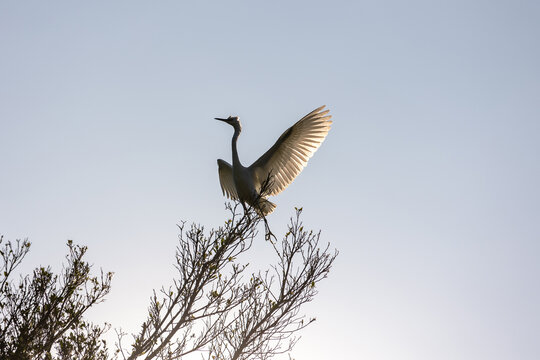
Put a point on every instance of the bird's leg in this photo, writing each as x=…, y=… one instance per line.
x=246, y=211
x=268, y=234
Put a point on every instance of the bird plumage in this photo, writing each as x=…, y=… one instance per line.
x=278, y=167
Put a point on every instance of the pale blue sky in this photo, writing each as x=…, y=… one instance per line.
x=427, y=182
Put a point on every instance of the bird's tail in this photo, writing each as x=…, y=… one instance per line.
x=265, y=207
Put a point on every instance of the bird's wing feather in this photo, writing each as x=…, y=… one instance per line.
x=226, y=179
x=291, y=152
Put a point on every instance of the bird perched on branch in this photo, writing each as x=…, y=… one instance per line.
x=278, y=167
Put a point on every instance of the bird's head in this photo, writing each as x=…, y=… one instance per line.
x=234, y=121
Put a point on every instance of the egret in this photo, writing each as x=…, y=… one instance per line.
x=276, y=168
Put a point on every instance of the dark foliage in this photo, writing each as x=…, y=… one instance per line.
x=41, y=315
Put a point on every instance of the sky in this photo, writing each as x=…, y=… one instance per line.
x=427, y=183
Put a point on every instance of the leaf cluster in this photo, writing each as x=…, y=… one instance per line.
x=42, y=314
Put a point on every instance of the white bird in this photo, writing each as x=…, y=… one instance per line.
x=278, y=167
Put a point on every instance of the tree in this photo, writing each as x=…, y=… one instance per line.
x=214, y=307
x=42, y=314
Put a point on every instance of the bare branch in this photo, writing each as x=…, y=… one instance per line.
x=212, y=309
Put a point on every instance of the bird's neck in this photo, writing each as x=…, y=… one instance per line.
x=235, y=159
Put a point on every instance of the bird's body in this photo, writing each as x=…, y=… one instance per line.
x=276, y=168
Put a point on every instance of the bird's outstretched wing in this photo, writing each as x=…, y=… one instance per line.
x=226, y=179
x=291, y=152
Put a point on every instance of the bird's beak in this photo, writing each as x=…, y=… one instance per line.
x=221, y=119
